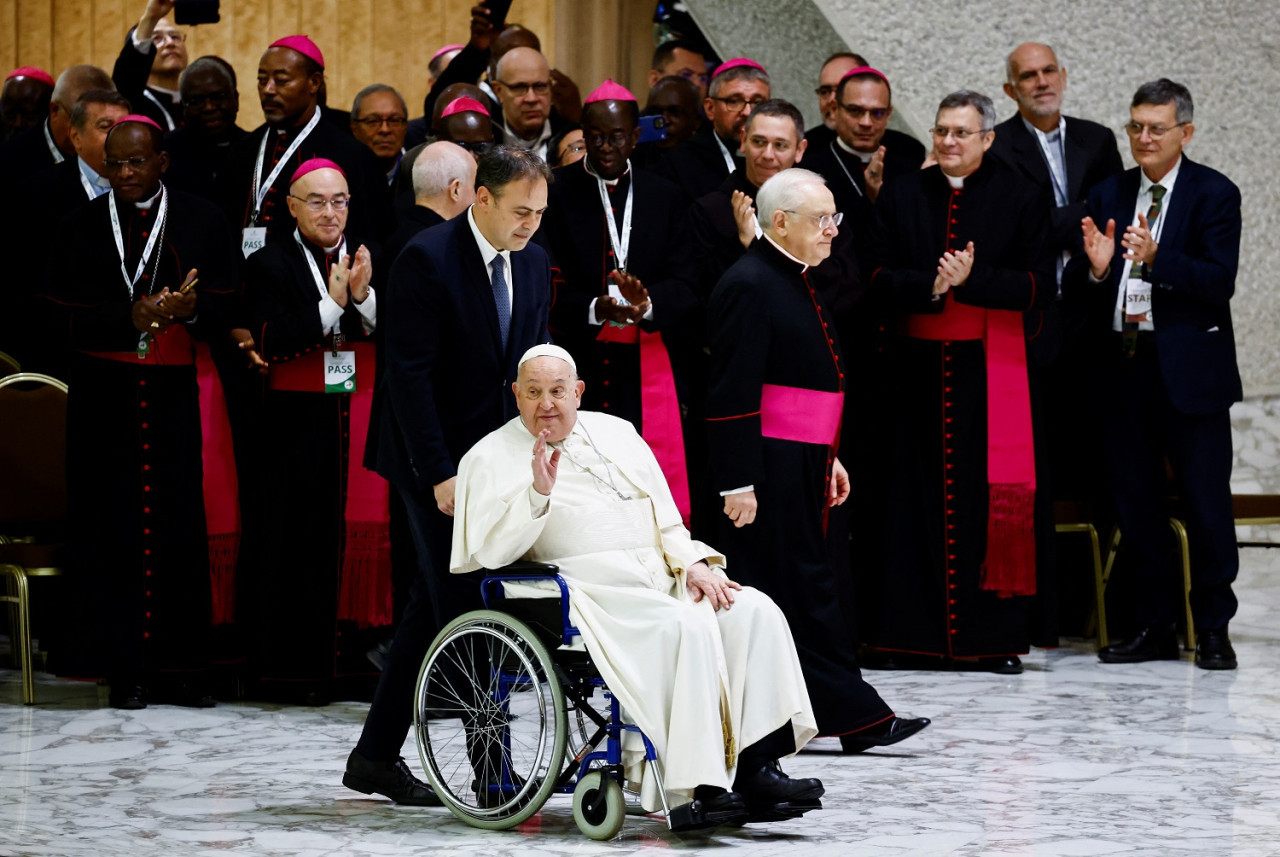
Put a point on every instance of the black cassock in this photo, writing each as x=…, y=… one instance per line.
x=134, y=469
x=928, y=598
x=770, y=326
x=370, y=212
x=294, y=598
x=575, y=234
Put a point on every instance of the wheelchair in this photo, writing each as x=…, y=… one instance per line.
x=506, y=714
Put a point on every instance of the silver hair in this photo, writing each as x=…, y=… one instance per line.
x=1165, y=91
x=1008, y=60
x=370, y=90
x=741, y=72
x=439, y=164
x=968, y=98
x=784, y=191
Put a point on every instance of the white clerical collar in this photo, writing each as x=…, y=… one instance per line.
x=956, y=182
x=865, y=157
x=511, y=138
x=586, y=165
x=1166, y=181
x=145, y=205
x=804, y=266
x=172, y=93
x=487, y=250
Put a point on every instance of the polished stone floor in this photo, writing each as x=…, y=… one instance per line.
x=1070, y=758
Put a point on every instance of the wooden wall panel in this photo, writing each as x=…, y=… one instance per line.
x=388, y=41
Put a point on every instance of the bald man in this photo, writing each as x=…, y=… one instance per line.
x=523, y=86
x=314, y=311
x=444, y=186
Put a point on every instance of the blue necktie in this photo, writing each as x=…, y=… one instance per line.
x=501, y=298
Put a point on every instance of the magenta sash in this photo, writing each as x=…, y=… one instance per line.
x=794, y=413
x=1010, y=565
x=364, y=590
x=659, y=407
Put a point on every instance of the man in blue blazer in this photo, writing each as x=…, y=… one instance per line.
x=1163, y=290
x=464, y=300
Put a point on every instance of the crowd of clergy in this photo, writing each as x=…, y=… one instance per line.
x=867, y=397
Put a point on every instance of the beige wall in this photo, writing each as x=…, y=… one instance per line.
x=363, y=42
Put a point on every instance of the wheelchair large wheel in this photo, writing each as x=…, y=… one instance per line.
x=489, y=718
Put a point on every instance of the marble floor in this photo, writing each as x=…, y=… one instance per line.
x=1070, y=758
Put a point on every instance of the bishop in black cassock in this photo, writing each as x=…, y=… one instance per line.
x=323, y=581
x=636, y=335
x=133, y=421
x=254, y=190
x=962, y=506
x=777, y=385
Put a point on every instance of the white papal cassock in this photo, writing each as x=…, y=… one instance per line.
x=701, y=683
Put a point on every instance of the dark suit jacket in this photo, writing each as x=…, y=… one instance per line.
x=1193, y=279
x=1091, y=157
x=448, y=380
x=697, y=165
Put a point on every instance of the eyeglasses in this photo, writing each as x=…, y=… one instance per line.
x=701, y=77
x=1155, y=132
x=372, y=122
x=825, y=221
x=857, y=111
x=825, y=91
x=131, y=163
x=536, y=395
x=961, y=134
x=617, y=140
x=480, y=148
x=168, y=36
x=737, y=102
x=520, y=90
x=316, y=203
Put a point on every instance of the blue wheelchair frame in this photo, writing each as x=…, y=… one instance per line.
x=492, y=590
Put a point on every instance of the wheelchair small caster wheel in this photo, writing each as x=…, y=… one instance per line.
x=599, y=806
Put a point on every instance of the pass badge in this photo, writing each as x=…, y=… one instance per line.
x=252, y=239
x=1137, y=301
x=340, y=372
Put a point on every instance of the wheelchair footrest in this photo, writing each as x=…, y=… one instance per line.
x=701, y=815
x=783, y=811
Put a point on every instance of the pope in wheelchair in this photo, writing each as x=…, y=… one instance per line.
x=705, y=668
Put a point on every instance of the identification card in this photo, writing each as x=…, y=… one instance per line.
x=1137, y=301
x=340, y=372
x=253, y=239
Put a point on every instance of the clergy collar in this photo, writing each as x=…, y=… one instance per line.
x=865, y=157
x=172, y=93
x=146, y=204
x=511, y=138
x=487, y=250
x=586, y=165
x=327, y=251
x=291, y=131
x=956, y=182
x=804, y=266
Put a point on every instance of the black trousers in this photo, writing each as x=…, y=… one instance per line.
x=437, y=598
x=1143, y=431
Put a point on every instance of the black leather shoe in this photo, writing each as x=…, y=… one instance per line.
x=706, y=811
x=389, y=779
x=1150, y=644
x=1011, y=665
x=771, y=795
x=883, y=734
x=1214, y=652
x=128, y=696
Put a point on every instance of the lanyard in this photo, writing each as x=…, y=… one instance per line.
x=321, y=283
x=724, y=152
x=847, y=174
x=260, y=188
x=89, y=189
x=1057, y=166
x=58, y=157
x=150, y=96
x=157, y=230
x=621, y=243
